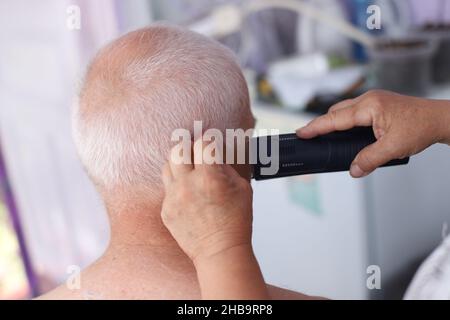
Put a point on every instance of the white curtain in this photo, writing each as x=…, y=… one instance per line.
x=41, y=63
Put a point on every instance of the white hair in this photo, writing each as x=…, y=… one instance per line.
x=140, y=88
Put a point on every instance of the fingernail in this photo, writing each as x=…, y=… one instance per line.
x=356, y=171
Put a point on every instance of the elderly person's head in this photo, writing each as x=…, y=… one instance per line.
x=139, y=89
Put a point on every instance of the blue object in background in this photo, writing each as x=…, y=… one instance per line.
x=359, y=16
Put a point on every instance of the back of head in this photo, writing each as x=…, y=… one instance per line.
x=140, y=88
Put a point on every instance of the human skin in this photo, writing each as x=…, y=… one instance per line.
x=126, y=113
x=144, y=261
x=208, y=210
x=404, y=126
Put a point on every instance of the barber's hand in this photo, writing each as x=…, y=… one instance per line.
x=403, y=126
x=207, y=208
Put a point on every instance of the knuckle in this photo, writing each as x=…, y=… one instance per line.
x=245, y=185
x=374, y=93
x=217, y=185
x=332, y=118
x=338, y=106
x=368, y=95
x=353, y=112
x=374, y=100
x=210, y=174
x=213, y=183
x=377, y=107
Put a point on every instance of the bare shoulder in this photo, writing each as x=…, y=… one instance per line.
x=277, y=293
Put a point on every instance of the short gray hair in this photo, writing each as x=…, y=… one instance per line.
x=140, y=88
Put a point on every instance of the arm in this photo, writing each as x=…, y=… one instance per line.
x=445, y=121
x=403, y=126
x=208, y=210
x=231, y=274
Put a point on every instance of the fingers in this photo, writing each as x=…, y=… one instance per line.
x=180, y=166
x=343, y=104
x=167, y=176
x=207, y=155
x=372, y=157
x=199, y=146
x=337, y=120
x=310, y=131
x=334, y=119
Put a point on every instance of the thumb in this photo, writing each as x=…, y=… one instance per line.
x=372, y=157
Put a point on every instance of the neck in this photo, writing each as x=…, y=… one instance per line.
x=143, y=261
x=140, y=233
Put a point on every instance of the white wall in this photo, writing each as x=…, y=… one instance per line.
x=318, y=253
x=409, y=210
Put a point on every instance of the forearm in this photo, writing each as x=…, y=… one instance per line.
x=231, y=275
x=442, y=115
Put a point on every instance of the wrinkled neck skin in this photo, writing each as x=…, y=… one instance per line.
x=140, y=226
x=135, y=220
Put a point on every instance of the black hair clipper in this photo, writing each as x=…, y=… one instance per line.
x=333, y=152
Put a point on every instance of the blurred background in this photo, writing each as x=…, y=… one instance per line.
x=315, y=234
